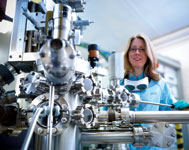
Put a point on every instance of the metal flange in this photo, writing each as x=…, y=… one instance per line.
x=85, y=116
x=60, y=120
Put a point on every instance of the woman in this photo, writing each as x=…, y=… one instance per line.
x=140, y=63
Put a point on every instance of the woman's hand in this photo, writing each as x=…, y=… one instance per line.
x=181, y=105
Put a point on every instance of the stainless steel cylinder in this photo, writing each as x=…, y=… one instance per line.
x=50, y=117
x=160, y=116
x=31, y=129
x=107, y=137
x=62, y=21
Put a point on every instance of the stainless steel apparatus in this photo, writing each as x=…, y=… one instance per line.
x=68, y=108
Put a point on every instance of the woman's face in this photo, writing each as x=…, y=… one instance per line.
x=137, y=54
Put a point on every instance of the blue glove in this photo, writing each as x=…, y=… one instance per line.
x=180, y=105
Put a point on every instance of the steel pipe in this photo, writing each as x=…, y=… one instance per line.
x=50, y=117
x=159, y=116
x=31, y=129
x=107, y=137
x=153, y=103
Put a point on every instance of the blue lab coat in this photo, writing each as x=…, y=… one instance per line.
x=157, y=91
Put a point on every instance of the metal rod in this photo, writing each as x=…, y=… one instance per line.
x=50, y=117
x=153, y=103
x=29, y=43
x=31, y=129
x=107, y=137
x=29, y=17
x=160, y=116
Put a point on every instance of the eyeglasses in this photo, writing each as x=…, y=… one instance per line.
x=138, y=85
x=141, y=50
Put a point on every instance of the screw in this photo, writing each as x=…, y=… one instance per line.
x=40, y=130
x=30, y=120
x=42, y=97
x=72, y=56
x=54, y=130
x=63, y=120
x=56, y=97
x=64, y=107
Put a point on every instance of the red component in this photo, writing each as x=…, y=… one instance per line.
x=157, y=65
x=3, y=4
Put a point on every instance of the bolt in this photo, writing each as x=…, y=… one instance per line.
x=63, y=120
x=54, y=130
x=23, y=112
x=40, y=130
x=72, y=56
x=30, y=120
x=123, y=122
x=56, y=97
x=64, y=107
x=42, y=97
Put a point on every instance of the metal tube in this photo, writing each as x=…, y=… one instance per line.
x=29, y=43
x=147, y=102
x=107, y=137
x=160, y=116
x=50, y=117
x=29, y=17
x=31, y=129
x=62, y=21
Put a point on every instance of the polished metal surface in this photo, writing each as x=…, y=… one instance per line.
x=17, y=37
x=50, y=117
x=62, y=21
x=31, y=129
x=161, y=116
x=107, y=137
x=153, y=103
x=76, y=108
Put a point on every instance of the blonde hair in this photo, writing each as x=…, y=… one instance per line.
x=151, y=64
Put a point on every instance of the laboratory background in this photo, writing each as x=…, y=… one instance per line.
x=61, y=62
